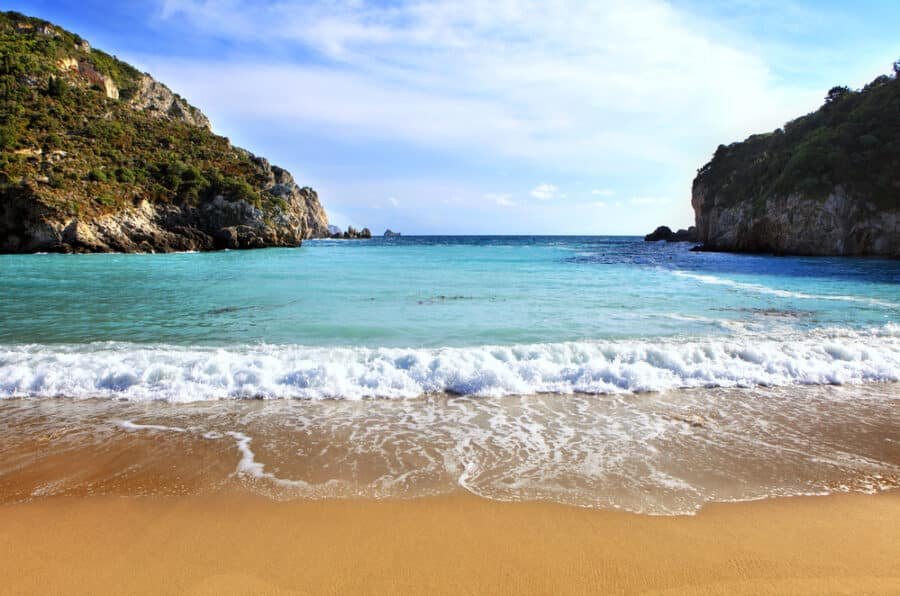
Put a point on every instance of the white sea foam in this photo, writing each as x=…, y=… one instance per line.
x=761, y=289
x=248, y=466
x=656, y=454
x=129, y=425
x=171, y=373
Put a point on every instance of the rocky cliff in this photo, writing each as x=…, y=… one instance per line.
x=826, y=184
x=96, y=156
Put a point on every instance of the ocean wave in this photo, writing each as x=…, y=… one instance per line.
x=761, y=289
x=178, y=374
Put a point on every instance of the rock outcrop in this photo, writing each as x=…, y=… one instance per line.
x=826, y=184
x=156, y=99
x=26, y=225
x=352, y=234
x=841, y=224
x=666, y=233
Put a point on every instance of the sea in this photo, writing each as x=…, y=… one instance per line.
x=602, y=372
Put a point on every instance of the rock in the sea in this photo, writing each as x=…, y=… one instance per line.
x=352, y=234
x=390, y=234
x=665, y=233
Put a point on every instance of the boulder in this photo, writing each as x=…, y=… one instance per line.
x=666, y=233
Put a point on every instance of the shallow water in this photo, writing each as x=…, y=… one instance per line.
x=402, y=317
x=600, y=372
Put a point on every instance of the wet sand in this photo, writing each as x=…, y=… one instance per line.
x=654, y=453
x=233, y=542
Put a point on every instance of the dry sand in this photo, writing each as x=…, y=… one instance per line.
x=236, y=543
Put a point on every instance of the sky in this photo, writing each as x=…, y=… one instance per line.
x=494, y=117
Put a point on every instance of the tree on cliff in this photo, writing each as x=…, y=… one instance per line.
x=836, y=93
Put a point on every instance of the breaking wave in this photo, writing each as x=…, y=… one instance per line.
x=171, y=373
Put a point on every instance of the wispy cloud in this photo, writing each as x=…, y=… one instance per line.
x=623, y=97
x=545, y=192
x=394, y=201
x=575, y=84
x=501, y=199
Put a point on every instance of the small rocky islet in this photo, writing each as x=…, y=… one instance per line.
x=666, y=233
x=350, y=233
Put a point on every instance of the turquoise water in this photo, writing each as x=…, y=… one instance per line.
x=600, y=372
x=399, y=317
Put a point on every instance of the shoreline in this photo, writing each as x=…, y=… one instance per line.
x=232, y=542
x=654, y=453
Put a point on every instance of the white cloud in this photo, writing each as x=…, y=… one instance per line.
x=634, y=94
x=393, y=201
x=545, y=192
x=501, y=199
x=574, y=85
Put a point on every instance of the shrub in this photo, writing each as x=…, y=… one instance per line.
x=125, y=175
x=97, y=175
x=55, y=87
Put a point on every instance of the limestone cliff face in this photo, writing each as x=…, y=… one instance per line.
x=836, y=224
x=156, y=99
x=26, y=225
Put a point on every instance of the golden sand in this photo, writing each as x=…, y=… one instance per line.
x=236, y=543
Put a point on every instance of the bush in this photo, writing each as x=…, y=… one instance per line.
x=125, y=175
x=9, y=134
x=868, y=140
x=97, y=175
x=55, y=87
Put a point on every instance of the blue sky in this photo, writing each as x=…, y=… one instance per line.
x=504, y=116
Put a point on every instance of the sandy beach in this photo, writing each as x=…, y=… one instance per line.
x=237, y=543
x=93, y=502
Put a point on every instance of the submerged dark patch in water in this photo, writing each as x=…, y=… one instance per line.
x=772, y=312
x=440, y=299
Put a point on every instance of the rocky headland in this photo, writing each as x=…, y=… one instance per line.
x=96, y=156
x=827, y=183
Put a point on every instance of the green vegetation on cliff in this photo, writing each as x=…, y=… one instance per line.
x=852, y=141
x=75, y=135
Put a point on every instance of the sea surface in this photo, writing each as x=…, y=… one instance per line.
x=595, y=371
